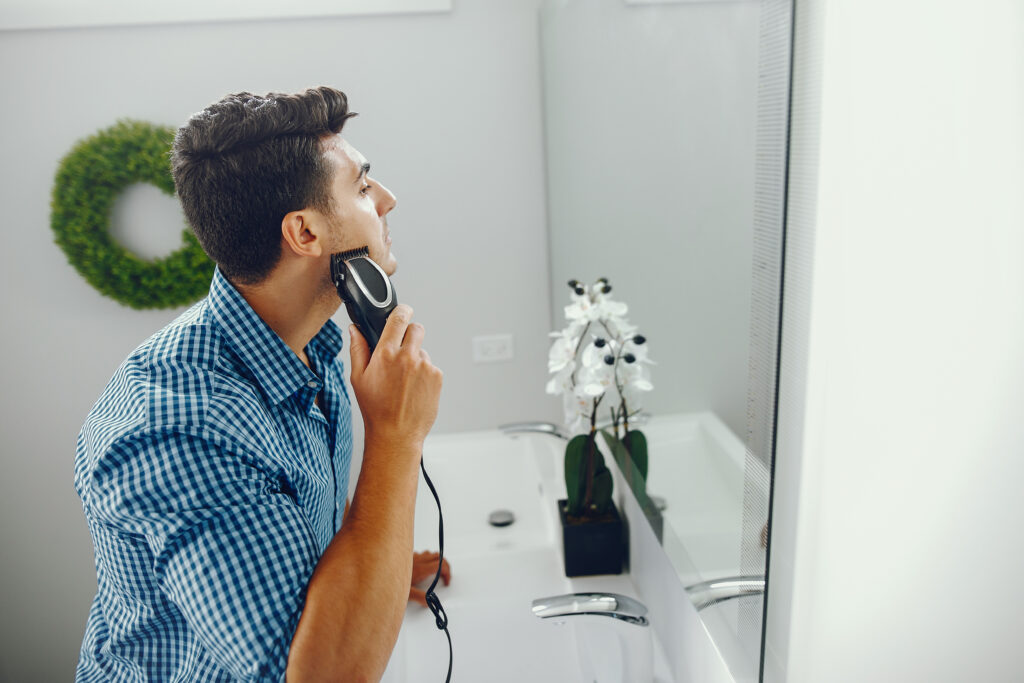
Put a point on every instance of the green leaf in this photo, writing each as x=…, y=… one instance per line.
x=575, y=473
x=636, y=444
x=602, y=491
x=634, y=472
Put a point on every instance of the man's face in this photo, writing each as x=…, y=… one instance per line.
x=361, y=205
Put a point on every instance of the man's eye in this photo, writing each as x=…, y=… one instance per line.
x=364, y=189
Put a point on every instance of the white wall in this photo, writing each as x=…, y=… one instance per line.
x=895, y=546
x=451, y=120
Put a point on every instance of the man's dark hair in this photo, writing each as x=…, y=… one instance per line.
x=243, y=163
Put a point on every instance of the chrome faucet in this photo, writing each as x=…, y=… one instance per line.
x=708, y=593
x=619, y=649
x=557, y=432
x=612, y=605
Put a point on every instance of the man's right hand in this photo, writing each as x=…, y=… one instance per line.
x=397, y=388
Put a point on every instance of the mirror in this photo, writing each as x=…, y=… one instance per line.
x=665, y=128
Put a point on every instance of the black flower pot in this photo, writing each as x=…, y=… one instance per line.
x=592, y=546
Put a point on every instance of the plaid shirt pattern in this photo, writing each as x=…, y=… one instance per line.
x=211, y=483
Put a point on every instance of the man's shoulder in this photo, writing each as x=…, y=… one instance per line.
x=190, y=340
x=183, y=382
x=176, y=377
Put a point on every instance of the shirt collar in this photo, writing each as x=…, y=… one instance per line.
x=278, y=371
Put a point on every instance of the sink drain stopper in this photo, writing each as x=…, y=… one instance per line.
x=501, y=518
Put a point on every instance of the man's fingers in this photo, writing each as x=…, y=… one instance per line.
x=394, y=328
x=414, y=334
x=425, y=564
x=424, y=567
x=416, y=595
x=446, y=572
x=359, y=351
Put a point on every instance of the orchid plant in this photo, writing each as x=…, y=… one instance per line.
x=598, y=358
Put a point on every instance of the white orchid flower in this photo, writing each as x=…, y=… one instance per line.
x=577, y=412
x=595, y=352
x=621, y=327
x=637, y=350
x=582, y=311
x=613, y=309
x=563, y=350
x=595, y=378
x=635, y=381
x=610, y=358
x=561, y=381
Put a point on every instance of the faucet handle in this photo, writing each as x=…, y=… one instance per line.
x=608, y=651
x=612, y=605
x=708, y=593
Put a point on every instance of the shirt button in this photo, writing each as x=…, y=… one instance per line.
x=312, y=384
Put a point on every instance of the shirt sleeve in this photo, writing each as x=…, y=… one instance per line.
x=231, y=547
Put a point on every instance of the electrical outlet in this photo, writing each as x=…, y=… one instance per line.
x=491, y=348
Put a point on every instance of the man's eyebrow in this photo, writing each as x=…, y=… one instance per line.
x=363, y=170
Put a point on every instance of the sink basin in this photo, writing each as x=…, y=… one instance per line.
x=475, y=474
x=496, y=571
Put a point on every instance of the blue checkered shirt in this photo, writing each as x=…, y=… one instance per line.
x=211, y=483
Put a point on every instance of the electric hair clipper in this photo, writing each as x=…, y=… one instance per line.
x=366, y=290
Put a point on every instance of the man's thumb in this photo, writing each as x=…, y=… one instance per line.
x=359, y=351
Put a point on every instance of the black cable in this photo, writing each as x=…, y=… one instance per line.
x=433, y=602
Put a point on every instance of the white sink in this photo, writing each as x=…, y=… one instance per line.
x=496, y=572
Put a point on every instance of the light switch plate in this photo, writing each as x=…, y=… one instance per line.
x=491, y=348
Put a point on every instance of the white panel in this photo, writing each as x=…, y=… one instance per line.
x=25, y=14
x=907, y=468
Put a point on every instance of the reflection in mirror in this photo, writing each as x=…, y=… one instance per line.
x=665, y=140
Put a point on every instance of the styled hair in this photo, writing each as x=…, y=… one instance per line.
x=243, y=163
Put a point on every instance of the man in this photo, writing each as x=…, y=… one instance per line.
x=213, y=470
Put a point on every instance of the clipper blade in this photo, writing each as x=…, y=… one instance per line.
x=337, y=272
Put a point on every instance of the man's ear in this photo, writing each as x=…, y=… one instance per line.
x=301, y=234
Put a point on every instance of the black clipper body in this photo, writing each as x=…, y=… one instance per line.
x=366, y=290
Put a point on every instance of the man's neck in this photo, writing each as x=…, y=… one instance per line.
x=294, y=308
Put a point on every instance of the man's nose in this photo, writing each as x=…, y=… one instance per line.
x=386, y=202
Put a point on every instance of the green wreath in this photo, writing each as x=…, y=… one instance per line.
x=88, y=182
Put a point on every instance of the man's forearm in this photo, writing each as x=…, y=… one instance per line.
x=356, y=597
